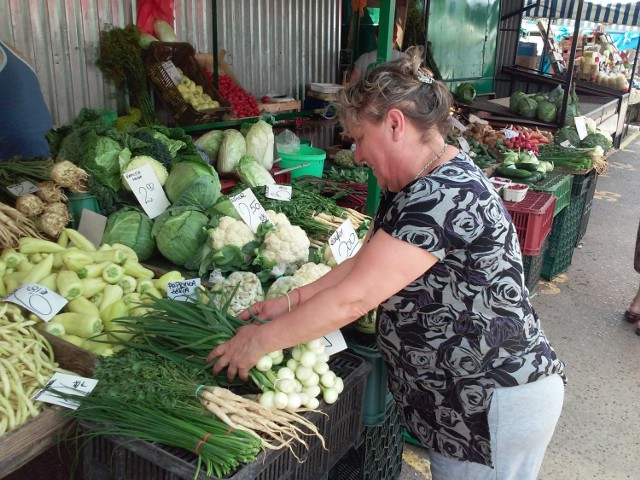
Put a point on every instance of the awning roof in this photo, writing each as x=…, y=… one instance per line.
x=598, y=11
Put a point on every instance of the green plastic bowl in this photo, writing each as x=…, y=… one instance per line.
x=314, y=156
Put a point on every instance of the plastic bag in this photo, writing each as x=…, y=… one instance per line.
x=287, y=142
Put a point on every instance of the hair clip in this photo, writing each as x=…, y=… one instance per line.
x=424, y=76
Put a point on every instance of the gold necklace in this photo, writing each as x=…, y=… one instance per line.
x=432, y=161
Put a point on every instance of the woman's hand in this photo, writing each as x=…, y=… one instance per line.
x=238, y=355
x=268, y=309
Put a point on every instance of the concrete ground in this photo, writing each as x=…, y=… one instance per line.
x=598, y=436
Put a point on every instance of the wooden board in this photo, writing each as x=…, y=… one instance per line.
x=71, y=357
x=280, y=106
x=20, y=446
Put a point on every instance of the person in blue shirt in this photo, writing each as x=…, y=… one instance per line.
x=24, y=116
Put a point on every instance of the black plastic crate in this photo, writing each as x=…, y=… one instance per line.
x=379, y=455
x=532, y=266
x=582, y=182
x=121, y=458
x=562, y=240
x=586, y=211
x=344, y=418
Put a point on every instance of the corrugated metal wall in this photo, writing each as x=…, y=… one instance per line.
x=509, y=32
x=273, y=45
x=60, y=39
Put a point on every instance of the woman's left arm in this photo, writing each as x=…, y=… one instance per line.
x=382, y=269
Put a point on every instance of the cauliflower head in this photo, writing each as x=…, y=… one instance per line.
x=249, y=291
x=278, y=219
x=286, y=245
x=310, y=272
x=283, y=285
x=231, y=232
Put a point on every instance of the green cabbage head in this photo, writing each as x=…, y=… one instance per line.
x=179, y=232
x=130, y=226
x=183, y=175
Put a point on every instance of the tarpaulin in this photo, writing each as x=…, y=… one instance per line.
x=152, y=10
x=597, y=11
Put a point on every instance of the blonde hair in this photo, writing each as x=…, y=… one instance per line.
x=395, y=84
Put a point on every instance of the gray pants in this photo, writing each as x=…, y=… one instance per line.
x=521, y=422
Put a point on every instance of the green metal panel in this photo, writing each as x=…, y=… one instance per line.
x=464, y=36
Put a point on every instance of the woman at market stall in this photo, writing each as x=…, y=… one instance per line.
x=632, y=314
x=24, y=116
x=469, y=366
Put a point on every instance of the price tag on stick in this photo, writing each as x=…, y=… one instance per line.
x=67, y=385
x=457, y=124
x=334, y=342
x=250, y=209
x=37, y=299
x=581, y=127
x=278, y=192
x=344, y=242
x=183, y=290
x=172, y=71
x=146, y=187
x=464, y=144
x=24, y=188
x=508, y=133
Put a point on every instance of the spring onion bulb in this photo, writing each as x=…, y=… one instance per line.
x=308, y=359
x=264, y=364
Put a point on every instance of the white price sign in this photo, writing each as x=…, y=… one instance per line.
x=183, y=290
x=334, y=342
x=567, y=144
x=146, y=187
x=250, y=209
x=344, y=242
x=457, y=124
x=68, y=385
x=581, y=127
x=534, y=159
x=278, y=192
x=508, y=133
x=24, y=188
x=37, y=299
x=464, y=144
x=172, y=71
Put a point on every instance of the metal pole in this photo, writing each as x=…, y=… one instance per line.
x=572, y=58
x=214, y=41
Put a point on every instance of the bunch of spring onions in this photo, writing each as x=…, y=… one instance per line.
x=186, y=332
x=299, y=378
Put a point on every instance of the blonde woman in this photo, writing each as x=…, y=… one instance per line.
x=469, y=365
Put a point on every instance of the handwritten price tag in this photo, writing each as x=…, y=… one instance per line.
x=68, y=385
x=146, y=187
x=464, y=144
x=344, y=242
x=508, y=133
x=457, y=124
x=24, y=188
x=172, y=71
x=250, y=209
x=581, y=127
x=37, y=299
x=278, y=192
x=183, y=290
x=334, y=342
x=567, y=144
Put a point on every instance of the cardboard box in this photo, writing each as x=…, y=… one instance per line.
x=527, y=62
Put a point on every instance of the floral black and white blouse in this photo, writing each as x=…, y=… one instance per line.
x=467, y=325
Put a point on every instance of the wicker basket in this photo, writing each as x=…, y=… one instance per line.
x=183, y=56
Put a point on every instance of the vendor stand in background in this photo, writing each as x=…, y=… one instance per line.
x=596, y=101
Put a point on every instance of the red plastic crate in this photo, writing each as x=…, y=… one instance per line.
x=227, y=183
x=532, y=218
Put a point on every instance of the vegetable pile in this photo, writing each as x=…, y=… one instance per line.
x=243, y=104
x=26, y=364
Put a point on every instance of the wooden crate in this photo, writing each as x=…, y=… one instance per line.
x=20, y=446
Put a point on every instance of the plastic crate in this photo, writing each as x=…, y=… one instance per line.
x=227, y=184
x=379, y=456
x=558, y=185
x=533, y=218
x=118, y=457
x=562, y=240
x=377, y=393
x=582, y=182
x=344, y=418
x=586, y=211
x=183, y=56
x=532, y=267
